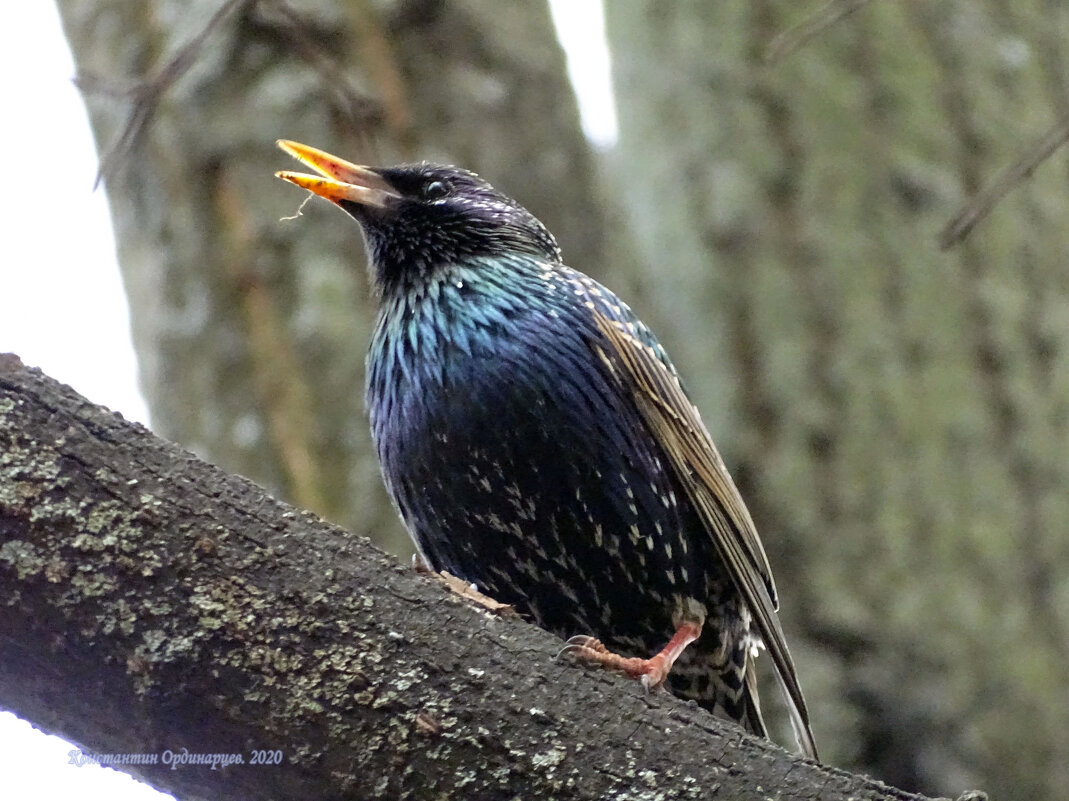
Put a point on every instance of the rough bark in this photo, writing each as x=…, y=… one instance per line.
x=897, y=414
x=152, y=602
x=250, y=331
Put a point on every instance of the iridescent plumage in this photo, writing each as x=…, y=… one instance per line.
x=538, y=443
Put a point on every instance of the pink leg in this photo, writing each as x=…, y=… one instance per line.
x=652, y=672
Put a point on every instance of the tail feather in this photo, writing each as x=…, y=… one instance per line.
x=728, y=689
x=725, y=687
x=754, y=722
x=799, y=716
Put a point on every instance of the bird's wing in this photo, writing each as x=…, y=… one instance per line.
x=675, y=423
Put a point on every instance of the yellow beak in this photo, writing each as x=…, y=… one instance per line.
x=341, y=180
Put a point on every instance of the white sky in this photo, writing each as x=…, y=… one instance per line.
x=63, y=310
x=62, y=307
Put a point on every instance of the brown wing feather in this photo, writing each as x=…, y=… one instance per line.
x=675, y=423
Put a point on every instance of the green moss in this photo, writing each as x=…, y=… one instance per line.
x=23, y=556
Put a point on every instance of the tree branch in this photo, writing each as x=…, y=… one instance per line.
x=979, y=206
x=152, y=603
x=795, y=37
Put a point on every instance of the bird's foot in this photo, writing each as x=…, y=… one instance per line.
x=651, y=672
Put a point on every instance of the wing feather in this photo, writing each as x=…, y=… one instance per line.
x=675, y=423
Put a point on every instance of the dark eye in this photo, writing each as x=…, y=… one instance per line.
x=436, y=190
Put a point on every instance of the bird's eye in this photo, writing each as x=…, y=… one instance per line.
x=436, y=190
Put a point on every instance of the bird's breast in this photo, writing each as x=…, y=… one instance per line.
x=455, y=346
x=519, y=463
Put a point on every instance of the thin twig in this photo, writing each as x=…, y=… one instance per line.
x=793, y=38
x=979, y=206
x=356, y=105
x=146, y=94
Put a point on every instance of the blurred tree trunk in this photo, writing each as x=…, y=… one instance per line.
x=251, y=331
x=898, y=415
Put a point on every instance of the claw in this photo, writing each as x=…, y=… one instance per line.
x=584, y=641
x=578, y=646
x=565, y=651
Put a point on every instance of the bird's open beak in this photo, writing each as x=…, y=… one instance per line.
x=341, y=181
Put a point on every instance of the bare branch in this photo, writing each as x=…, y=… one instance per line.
x=793, y=38
x=147, y=93
x=979, y=206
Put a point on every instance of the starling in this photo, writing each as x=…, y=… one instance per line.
x=537, y=442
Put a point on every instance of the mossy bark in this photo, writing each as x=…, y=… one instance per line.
x=152, y=603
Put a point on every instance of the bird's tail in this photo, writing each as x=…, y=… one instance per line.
x=725, y=685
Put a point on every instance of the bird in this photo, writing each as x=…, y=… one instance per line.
x=538, y=442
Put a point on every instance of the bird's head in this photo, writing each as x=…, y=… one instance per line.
x=419, y=219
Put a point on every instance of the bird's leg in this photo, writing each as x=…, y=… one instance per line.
x=652, y=672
